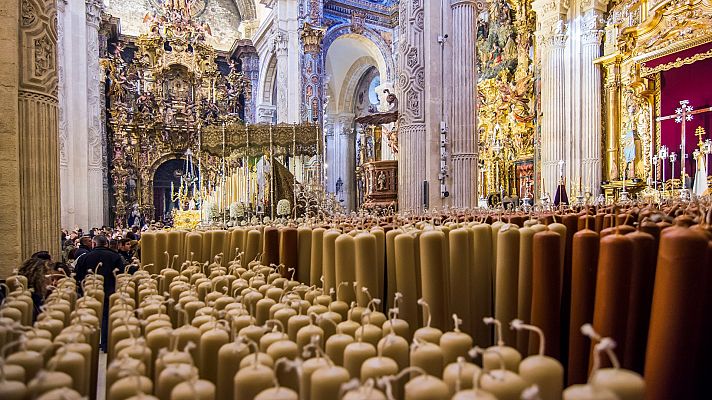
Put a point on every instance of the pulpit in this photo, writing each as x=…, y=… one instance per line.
x=380, y=184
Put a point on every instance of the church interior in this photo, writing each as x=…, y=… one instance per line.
x=355, y=199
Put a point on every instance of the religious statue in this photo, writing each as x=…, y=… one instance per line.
x=635, y=132
x=381, y=181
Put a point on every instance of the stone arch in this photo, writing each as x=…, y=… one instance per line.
x=380, y=48
x=246, y=8
x=353, y=77
x=268, y=81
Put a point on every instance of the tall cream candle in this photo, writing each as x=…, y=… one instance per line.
x=329, y=259
x=432, y=243
x=345, y=258
x=507, y=279
x=481, y=281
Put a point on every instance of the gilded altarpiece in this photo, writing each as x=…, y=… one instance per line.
x=643, y=40
x=163, y=88
x=506, y=107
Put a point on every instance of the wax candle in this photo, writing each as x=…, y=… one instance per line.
x=677, y=308
x=432, y=243
x=252, y=246
x=277, y=393
x=545, y=372
x=365, y=264
x=46, y=381
x=329, y=260
x=210, y=344
x=394, y=324
x=197, y=389
x=584, y=266
x=148, y=248
x=507, y=277
x=218, y=245
x=455, y=344
x=613, y=287
x=316, y=256
x=459, y=247
x=207, y=249
x=426, y=387
x=251, y=380
x=380, y=254
x=74, y=365
x=326, y=382
x=304, y=244
x=428, y=357
x=13, y=390
x=524, y=290
x=355, y=354
x=391, y=284
x=172, y=376
x=427, y=333
x=288, y=247
x=546, y=299
x=494, y=355
x=129, y=386
x=459, y=375
x=270, y=246
x=335, y=346
x=31, y=361
x=640, y=300
x=345, y=256
x=406, y=276
x=481, y=282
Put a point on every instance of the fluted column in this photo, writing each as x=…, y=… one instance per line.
x=95, y=181
x=281, y=42
x=591, y=97
x=551, y=36
x=463, y=118
x=64, y=145
x=251, y=69
x=37, y=129
x=411, y=107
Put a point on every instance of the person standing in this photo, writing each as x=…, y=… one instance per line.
x=104, y=261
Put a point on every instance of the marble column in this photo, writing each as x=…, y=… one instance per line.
x=280, y=48
x=64, y=172
x=37, y=132
x=95, y=181
x=463, y=117
x=552, y=35
x=591, y=100
x=410, y=89
x=346, y=159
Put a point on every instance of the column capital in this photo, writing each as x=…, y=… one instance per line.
x=597, y=5
x=93, y=12
x=311, y=38
x=280, y=43
x=550, y=9
x=480, y=4
x=555, y=36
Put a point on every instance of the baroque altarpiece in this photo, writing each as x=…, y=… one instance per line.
x=171, y=96
x=506, y=106
x=656, y=56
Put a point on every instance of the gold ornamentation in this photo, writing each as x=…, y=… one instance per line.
x=311, y=38
x=679, y=62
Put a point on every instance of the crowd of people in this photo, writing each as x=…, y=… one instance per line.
x=104, y=251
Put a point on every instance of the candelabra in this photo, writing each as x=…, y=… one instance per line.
x=673, y=158
x=656, y=159
x=663, y=154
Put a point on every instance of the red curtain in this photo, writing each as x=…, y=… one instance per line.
x=691, y=82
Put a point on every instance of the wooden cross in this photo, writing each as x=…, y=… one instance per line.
x=683, y=114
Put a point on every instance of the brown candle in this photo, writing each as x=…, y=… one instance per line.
x=584, y=266
x=524, y=289
x=672, y=367
x=613, y=288
x=546, y=300
x=640, y=300
x=252, y=246
x=428, y=357
x=251, y=380
x=326, y=382
x=270, y=246
x=304, y=244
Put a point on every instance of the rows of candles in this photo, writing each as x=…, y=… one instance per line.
x=300, y=312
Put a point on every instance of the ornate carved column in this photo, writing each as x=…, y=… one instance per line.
x=591, y=97
x=410, y=87
x=95, y=181
x=251, y=69
x=281, y=42
x=463, y=118
x=37, y=129
x=346, y=159
x=312, y=73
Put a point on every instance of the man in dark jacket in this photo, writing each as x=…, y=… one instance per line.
x=110, y=261
x=83, y=249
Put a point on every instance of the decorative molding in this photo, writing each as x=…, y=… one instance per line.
x=679, y=62
x=93, y=12
x=311, y=38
